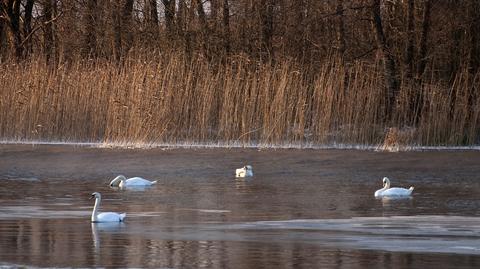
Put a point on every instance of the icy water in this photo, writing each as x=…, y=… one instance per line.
x=302, y=209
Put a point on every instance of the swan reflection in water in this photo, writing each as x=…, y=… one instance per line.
x=396, y=201
x=106, y=228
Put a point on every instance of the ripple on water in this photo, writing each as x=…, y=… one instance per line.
x=27, y=179
x=440, y=234
x=28, y=212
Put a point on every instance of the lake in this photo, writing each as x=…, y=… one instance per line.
x=302, y=209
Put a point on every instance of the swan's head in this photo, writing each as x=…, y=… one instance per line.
x=386, y=182
x=117, y=180
x=248, y=167
x=96, y=195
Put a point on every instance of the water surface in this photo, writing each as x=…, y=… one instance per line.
x=302, y=209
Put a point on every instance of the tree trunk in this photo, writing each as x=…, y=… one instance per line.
x=474, y=32
x=410, y=39
x=422, y=54
x=266, y=18
x=11, y=11
x=204, y=29
x=27, y=26
x=153, y=14
x=117, y=30
x=341, y=40
x=202, y=16
x=91, y=19
x=127, y=25
x=226, y=27
x=214, y=7
x=390, y=68
x=181, y=18
x=169, y=9
x=49, y=45
x=182, y=27
x=2, y=39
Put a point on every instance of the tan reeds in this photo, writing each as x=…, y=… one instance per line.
x=172, y=99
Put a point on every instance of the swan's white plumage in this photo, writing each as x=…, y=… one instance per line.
x=105, y=216
x=246, y=171
x=386, y=191
x=123, y=182
x=110, y=217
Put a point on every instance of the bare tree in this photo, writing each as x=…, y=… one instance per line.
x=266, y=18
x=3, y=48
x=27, y=25
x=226, y=26
x=201, y=15
x=153, y=14
x=341, y=38
x=91, y=18
x=127, y=25
x=214, y=8
x=410, y=38
x=204, y=29
x=390, y=68
x=474, y=38
x=49, y=34
x=422, y=54
x=10, y=12
x=169, y=9
x=117, y=29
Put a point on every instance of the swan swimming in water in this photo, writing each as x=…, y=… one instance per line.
x=246, y=171
x=105, y=216
x=122, y=182
x=386, y=191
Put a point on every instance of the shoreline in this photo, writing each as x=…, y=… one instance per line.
x=222, y=145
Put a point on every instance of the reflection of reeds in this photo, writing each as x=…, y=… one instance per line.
x=175, y=100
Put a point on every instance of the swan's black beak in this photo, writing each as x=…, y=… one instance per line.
x=92, y=196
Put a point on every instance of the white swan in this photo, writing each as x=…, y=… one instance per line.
x=386, y=191
x=105, y=216
x=122, y=182
x=246, y=171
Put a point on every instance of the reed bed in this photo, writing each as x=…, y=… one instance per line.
x=173, y=99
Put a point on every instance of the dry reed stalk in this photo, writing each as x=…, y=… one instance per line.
x=171, y=99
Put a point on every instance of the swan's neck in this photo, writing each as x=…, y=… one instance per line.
x=115, y=181
x=123, y=181
x=95, y=209
x=387, y=186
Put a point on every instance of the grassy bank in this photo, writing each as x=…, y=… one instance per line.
x=170, y=99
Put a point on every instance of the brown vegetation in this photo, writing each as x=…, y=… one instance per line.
x=173, y=99
x=246, y=72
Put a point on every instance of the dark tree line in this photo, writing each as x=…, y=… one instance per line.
x=413, y=38
x=410, y=35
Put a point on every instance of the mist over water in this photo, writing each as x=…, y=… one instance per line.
x=303, y=208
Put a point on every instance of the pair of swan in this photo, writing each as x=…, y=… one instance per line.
x=122, y=182
x=386, y=191
x=246, y=171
